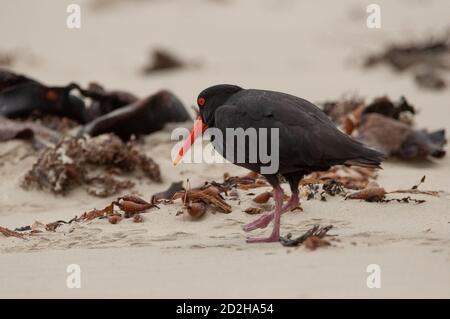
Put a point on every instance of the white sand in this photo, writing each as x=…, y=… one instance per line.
x=307, y=49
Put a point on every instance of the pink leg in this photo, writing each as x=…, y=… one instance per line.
x=265, y=220
x=275, y=235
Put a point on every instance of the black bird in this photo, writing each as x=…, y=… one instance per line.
x=307, y=140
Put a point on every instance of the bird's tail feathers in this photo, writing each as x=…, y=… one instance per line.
x=370, y=158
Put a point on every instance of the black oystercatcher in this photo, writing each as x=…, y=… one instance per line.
x=307, y=140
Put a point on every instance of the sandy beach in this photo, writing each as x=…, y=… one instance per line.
x=309, y=49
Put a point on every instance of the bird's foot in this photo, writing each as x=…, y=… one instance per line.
x=293, y=204
x=261, y=222
x=264, y=221
x=274, y=237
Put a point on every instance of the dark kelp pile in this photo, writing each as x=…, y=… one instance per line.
x=20, y=96
x=95, y=163
x=387, y=126
x=141, y=117
x=99, y=110
x=428, y=61
x=48, y=115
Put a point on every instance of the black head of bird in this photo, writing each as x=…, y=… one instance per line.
x=207, y=101
x=211, y=98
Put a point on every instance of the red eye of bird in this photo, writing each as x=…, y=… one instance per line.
x=201, y=101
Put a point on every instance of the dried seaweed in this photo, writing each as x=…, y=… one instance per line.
x=7, y=59
x=57, y=168
x=54, y=225
x=258, y=183
x=430, y=56
x=56, y=123
x=388, y=127
x=333, y=187
x=314, y=242
x=262, y=198
x=430, y=79
x=11, y=233
x=247, y=181
x=106, y=185
x=384, y=106
x=196, y=209
x=129, y=204
x=349, y=118
x=316, y=231
x=22, y=228
x=73, y=162
x=395, y=138
x=422, y=180
x=132, y=205
x=370, y=194
x=39, y=135
x=346, y=177
x=95, y=213
x=234, y=194
x=167, y=195
x=310, y=189
x=405, y=200
x=253, y=210
x=209, y=195
x=339, y=109
x=415, y=190
x=114, y=219
x=377, y=194
x=162, y=60
x=137, y=218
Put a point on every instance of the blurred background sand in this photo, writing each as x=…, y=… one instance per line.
x=310, y=49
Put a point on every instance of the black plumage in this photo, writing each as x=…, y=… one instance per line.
x=308, y=139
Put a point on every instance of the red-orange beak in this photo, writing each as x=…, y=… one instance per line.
x=199, y=128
